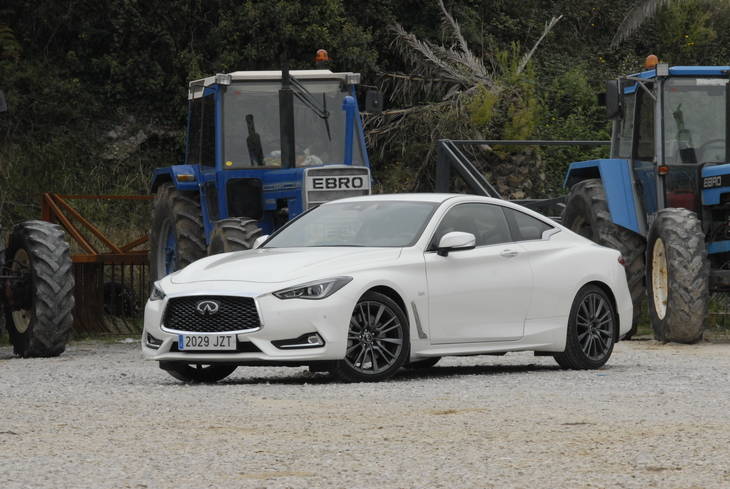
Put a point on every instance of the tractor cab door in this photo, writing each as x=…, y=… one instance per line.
x=202, y=149
x=643, y=147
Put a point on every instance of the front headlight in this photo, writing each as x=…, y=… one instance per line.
x=157, y=294
x=314, y=290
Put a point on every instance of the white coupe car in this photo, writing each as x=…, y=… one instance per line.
x=361, y=287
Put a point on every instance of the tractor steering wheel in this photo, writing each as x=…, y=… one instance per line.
x=706, y=148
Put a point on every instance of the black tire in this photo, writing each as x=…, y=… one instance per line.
x=687, y=275
x=423, y=363
x=180, y=213
x=197, y=373
x=592, y=330
x=586, y=213
x=347, y=369
x=233, y=234
x=39, y=310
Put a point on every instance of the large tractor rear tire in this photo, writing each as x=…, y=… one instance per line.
x=177, y=237
x=233, y=234
x=586, y=212
x=40, y=302
x=677, y=276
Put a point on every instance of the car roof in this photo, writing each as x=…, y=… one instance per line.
x=419, y=197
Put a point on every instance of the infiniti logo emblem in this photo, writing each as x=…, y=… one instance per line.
x=207, y=308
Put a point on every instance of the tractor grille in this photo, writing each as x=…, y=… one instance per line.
x=324, y=184
x=234, y=314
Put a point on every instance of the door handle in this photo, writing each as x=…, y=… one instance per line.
x=509, y=253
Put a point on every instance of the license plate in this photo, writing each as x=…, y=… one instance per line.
x=191, y=342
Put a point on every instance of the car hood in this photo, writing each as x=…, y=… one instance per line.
x=274, y=265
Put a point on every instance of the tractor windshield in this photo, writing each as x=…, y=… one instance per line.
x=251, y=130
x=694, y=120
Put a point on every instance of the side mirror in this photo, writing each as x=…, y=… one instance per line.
x=374, y=101
x=455, y=240
x=259, y=241
x=3, y=104
x=612, y=99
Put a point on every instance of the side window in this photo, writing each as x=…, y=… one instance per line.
x=524, y=227
x=626, y=128
x=485, y=221
x=645, y=133
x=207, y=138
x=194, y=121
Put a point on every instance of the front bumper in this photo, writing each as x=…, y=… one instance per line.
x=280, y=320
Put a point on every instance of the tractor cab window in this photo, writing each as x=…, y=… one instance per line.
x=694, y=113
x=251, y=127
x=625, y=128
x=645, y=128
x=201, y=131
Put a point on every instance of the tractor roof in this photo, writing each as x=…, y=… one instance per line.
x=225, y=78
x=688, y=71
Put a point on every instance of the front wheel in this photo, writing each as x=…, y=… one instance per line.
x=677, y=276
x=197, y=373
x=377, y=340
x=233, y=234
x=591, y=331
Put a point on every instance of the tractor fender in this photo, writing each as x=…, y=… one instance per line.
x=183, y=176
x=615, y=174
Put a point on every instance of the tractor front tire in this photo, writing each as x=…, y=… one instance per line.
x=233, y=234
x=586, y=212
x=39, y=309
x=177, y=237
x=677, y=276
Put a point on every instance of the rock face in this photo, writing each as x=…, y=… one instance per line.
x=518, y=174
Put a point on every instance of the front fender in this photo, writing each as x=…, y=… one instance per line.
x=184, y=177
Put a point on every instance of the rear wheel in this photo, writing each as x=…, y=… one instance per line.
x=233, y=234
x=40, y=298
x=377, y=340
x=586, y=212
x=677, y=276
x=177, y=237
x=591, y=331
x=197, y=373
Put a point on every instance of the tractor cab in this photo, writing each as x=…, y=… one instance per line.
x=262, y=147
x=670, y=159
x=663, y=196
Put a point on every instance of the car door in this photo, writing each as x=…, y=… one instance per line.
x=481, y=294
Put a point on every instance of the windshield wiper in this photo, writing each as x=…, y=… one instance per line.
x=306, y=97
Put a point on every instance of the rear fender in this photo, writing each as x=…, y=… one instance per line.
x=618, y=184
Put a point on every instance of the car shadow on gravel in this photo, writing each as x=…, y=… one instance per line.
x=404, y=375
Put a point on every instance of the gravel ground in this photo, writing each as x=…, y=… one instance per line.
x=101, y=417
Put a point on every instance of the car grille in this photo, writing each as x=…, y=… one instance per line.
x=234, y=314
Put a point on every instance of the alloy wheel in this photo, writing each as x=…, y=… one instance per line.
x=594, y=325
x=375, y=338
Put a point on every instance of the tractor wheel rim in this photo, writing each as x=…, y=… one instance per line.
x=21, y=317
x=594, y=326
x=375, y=338
x=659, y=279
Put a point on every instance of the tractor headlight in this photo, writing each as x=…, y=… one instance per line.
x=157, y=294
x=314, y=290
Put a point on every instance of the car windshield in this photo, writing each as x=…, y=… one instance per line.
x=364, y=223
x=694, y=120
x=252, y=129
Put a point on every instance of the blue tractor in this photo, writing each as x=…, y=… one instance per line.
x=663, y=196
x=262, y=147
